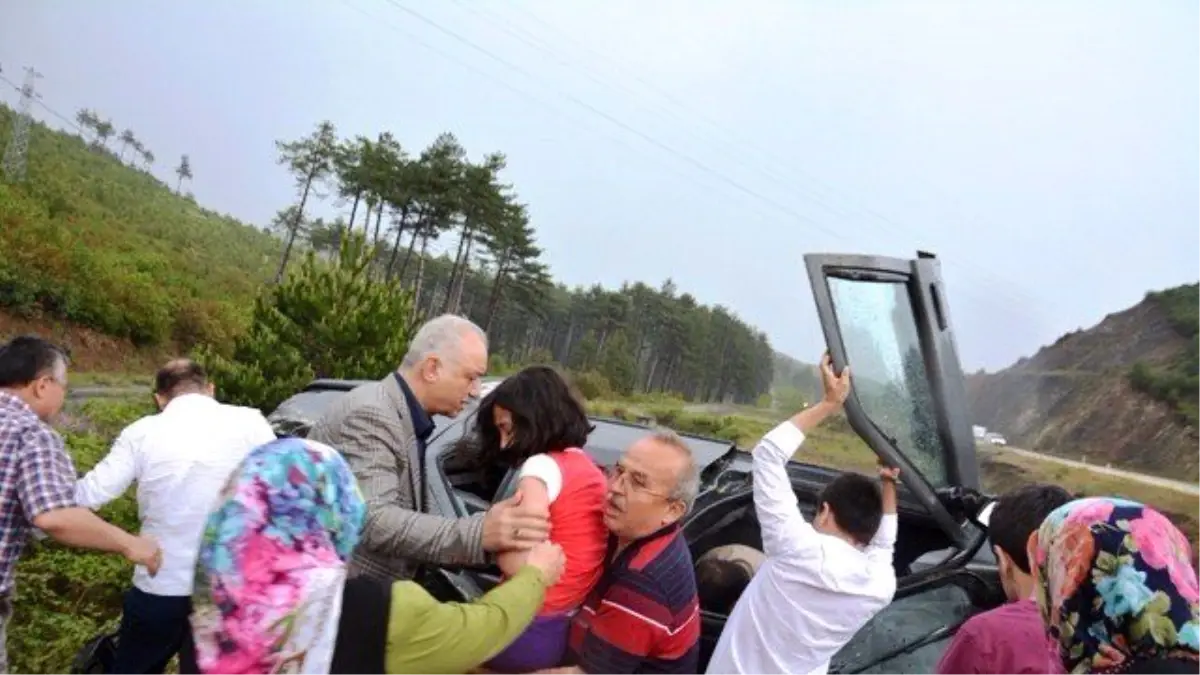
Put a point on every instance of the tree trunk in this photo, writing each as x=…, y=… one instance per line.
x=179, y=185
x=420, y=274
x=354, y=210
x=396, y=246
x=462, y=239
x=412, y=243
x=494, y=297
x=367, y=220
x=378, y=222
x=287, y=250
x=456, y=305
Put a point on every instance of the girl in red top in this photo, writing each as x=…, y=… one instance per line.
x=531, y=420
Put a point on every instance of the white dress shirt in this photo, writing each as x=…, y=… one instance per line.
x=814, y=592
x=181, y=458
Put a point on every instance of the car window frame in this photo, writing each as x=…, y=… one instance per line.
x=922, y=278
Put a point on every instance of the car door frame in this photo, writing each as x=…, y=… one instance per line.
x=927, y=299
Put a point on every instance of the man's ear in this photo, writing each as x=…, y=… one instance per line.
x=1003, y=561
x=430, y=367
x=675, y=511
x=1031, y=546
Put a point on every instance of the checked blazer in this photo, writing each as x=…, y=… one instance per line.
x=371, y=427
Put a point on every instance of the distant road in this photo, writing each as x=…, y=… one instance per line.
x=1177, y=485
x=83, y=393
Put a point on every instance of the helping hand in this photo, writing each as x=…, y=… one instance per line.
x=550, y=561
x=510, y=526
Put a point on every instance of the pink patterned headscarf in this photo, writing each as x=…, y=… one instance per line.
x=272, y=562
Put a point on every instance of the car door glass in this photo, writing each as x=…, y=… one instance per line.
x=879, y=334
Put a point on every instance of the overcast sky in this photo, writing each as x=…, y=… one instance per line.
x=1049, y=153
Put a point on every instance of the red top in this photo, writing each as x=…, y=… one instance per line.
x=1008, y=639
x=577, y=525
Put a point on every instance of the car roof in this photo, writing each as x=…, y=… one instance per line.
x=608, y=440
x=611, y=437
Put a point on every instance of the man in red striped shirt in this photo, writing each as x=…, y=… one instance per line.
x=644, y=616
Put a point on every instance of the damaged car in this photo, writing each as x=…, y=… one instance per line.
x=889, y=317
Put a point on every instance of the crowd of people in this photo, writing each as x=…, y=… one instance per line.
x=259, y=554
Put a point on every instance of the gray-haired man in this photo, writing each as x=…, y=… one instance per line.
x=381, y=428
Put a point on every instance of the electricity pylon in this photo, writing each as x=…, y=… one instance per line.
x=13, y=164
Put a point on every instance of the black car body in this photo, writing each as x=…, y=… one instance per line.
x=889, y=318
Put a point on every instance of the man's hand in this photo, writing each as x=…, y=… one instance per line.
x=549, y=559
x=836, y=387
x=510, y=526
x=144, y=551
x=889, y=474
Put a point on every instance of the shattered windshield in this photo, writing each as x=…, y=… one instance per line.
x=879, y=333
x=898, y=630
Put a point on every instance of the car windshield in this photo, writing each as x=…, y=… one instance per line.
x=879, y=333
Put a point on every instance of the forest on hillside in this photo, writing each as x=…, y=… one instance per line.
x=94, y=237
x=1179, y=383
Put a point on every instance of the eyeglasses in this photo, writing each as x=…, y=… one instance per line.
x=637, y=481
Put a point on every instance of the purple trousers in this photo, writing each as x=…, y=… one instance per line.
x=542, y=645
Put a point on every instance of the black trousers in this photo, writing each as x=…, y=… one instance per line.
x=153, y=629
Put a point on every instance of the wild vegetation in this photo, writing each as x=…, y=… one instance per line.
x=109, y=246
x=1177, y=384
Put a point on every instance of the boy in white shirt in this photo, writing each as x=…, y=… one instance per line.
x=822, y=581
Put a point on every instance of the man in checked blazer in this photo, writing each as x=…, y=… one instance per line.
x=381, y=429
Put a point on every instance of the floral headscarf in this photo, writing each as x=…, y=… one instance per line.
x=1116, y=585
x=273, y=561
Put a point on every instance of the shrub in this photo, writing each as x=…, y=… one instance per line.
x=592, y=385
x=322, y=321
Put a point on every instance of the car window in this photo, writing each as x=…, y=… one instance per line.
x=892, y=641
x=879, y=332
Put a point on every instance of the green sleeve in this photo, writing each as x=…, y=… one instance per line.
x=427, y=636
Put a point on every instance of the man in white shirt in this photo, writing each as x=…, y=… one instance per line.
x=180, y=459
x=823, y=581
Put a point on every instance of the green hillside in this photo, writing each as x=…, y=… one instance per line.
x=92, y=238
x=108, y=246
x=1176, y=384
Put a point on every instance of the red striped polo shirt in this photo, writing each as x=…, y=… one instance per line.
x=644, y=615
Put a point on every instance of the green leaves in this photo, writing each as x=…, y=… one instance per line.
x=322, y=321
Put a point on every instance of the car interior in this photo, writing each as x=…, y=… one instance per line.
x=899, y=638
x=908, y=635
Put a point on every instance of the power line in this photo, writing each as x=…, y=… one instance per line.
x=687, y=159
x=724, y=132
x=13, y=163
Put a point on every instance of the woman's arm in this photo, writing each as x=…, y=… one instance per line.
x=534, y=493
x=425, y=636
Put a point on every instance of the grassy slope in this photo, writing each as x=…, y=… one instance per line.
x=1178, y=383
x=91, y=240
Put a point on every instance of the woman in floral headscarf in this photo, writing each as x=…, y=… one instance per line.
x=272, y=594
x=272, y=562
x=1117, y=589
